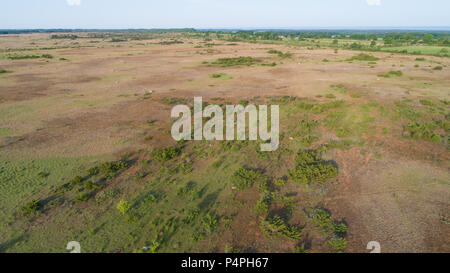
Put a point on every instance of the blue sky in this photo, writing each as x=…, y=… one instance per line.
x=222, y=13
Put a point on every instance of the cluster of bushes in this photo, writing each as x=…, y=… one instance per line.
x=172, y=42
x=263, y=204
x=191, y=214
x=427, y=103
x=306, y=127
x=245, y=178
x=238, y=61
x=64, y=36
x=392, y=73
x=173, y=101
x=109, y=170
x=424, y=131
x=232, y=145
x=190, y=190
x=22, y=57
x=363, y=57
x=220, y=76
x=31, y=208
x=275, y=226
x=166, y=154
x=2, y=71
x=338, y=230
x=310, y=168
x=280, y=53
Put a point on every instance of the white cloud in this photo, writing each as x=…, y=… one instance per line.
x=73, y=2
x=373, y=2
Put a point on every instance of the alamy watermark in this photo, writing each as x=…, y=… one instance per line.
x=258, y=118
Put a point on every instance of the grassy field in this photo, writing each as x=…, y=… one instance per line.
x=86, y=152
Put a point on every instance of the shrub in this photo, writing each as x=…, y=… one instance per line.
x=43, y=174
x=322, y=218
x=93, y=171
x=330, y=96
x=438, y=68
x=123, y=206
x=275, y=226
x=363, y=57
x=340, y=229
x=191, y=214
x=422, y=131
x=107, y=194
x=338, y=244
x=220, y=76
x=245, y=178
x=310, y=168
x=210, y=222
x=427, y=103
x=391, y=74
x=111, y=169
x=82, y=197
x=280, y=182
x=31, y=208
x=2, y=71
x=166, y=153
x=263, y=204
x=238, y=61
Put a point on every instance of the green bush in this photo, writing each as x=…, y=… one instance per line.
x=263, y=204
x=166, y=154
x=340, y=229
x=31, y=208
x=82, y=197
x=310, y=168
x=123, y=206
x=245, y=178
x=338, y=244
x=424, y=131
x=238, y=61
x=427, y=103
x=391, y=74
x=43, y=174
x=275, y=226
x=438, y=68
x=2, y=71
x=363, y=57
x=111, y=169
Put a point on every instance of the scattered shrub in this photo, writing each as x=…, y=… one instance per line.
x=123, y=206
x=245, y=178
x=363, y=57
x=338, y=244
x=427, y=103
x=82, y=197
x=166, y=153
x=391, y=74
x=238, y=61
x=43, y=174
x=31, y=208
x=310, y=168
x=275, y=226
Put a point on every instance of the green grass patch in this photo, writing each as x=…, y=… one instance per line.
x=363, y=57
x=392, y=73
x=238, y=61
x=221, y=76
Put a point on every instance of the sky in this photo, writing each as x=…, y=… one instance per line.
x=123, y=14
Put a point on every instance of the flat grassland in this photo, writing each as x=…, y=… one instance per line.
x=86, y=153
